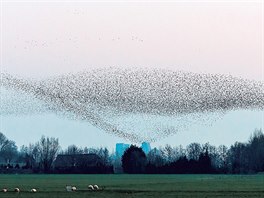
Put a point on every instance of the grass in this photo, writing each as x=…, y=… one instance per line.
x=53, y=186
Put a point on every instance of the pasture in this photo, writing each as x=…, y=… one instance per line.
x=123, y=185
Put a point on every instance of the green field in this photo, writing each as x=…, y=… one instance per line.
x=123, y=185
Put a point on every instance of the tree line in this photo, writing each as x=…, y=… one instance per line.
x=239, y=158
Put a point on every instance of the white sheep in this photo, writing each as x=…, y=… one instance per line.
x=33, y=190
x=68, y=188
x=4, y=190
x=74, y=188
x=90, y=187
x=96, y=187
x=16, y=190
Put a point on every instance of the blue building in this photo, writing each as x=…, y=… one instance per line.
x=120, y=149
x=146, y=147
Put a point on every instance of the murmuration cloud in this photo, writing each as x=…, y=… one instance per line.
x=118, y=100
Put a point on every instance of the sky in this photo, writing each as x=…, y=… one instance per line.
x=43, y=39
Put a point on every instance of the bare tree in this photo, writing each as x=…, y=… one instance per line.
x=73, y=150
x=103, y=153
x=30, y=155
x=223, y=157
x=48, y=149
x=212, y=152
x=237, y=157
x=193, y=151
x=167, y=153
x=3, y=141
x=256, y=151
x=8, y=148
x=154, y=157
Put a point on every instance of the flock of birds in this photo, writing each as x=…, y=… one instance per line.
x=124, y=102
x=68, y=189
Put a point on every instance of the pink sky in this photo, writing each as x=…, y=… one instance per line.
x=53, y=38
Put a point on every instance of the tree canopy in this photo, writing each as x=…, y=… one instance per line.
x=134, y=160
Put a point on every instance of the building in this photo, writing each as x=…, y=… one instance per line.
x=81, y=163
x=77, y=160
x=146, y=147
x=120, y=149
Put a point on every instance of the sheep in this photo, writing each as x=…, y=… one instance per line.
x=90, y=187
x=4, y=190
x=74, y=188
x=16, y=190
x=33, y=190
x=96, y=187
x=68, y=188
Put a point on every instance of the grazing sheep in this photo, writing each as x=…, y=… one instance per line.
x=90, y=187
x=96, y=187
x=16, y=190
x=74, y=188
x=33, y=190
x=4, y=190
x=68, y=188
